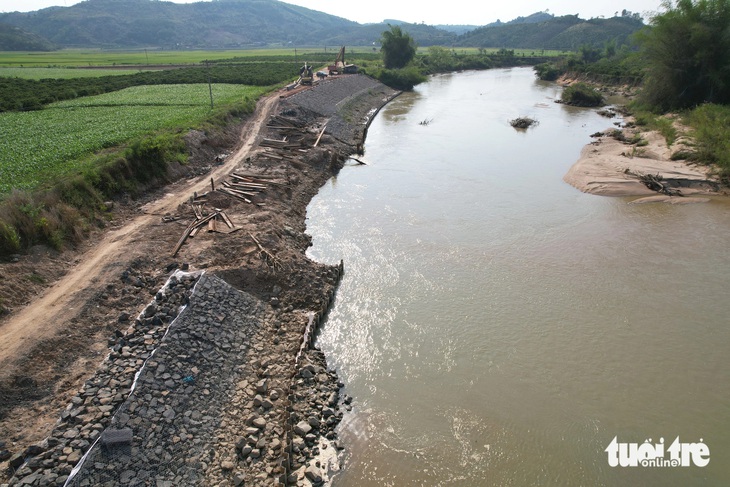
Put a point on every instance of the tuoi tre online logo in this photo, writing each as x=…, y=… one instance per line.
x=650, y=454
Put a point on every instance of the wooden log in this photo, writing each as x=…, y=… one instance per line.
x=189, y=230
x=230, y=193
x=248, y=187
x=320, y=136
x=182, y=240
x=230, y=187
x=227, y=220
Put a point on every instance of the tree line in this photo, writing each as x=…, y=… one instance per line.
x=19, y=94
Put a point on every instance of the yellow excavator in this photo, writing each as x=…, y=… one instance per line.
x=306, y=77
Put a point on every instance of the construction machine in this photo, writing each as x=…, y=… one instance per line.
x=340, y=67
x=306, y=77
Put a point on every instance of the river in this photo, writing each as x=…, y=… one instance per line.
x=495, y=326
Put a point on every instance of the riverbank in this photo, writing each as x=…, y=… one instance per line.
x=611, y=166
x=276, y=405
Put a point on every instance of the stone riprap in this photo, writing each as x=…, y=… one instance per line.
x=219, y=396
x=173, y=414
x=340, y=100
x=91, y=410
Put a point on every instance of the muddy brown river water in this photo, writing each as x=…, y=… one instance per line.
x=497, y=327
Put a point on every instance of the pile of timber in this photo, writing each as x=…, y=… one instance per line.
x=213, y=221
x=285, y=143
x=292, y=131
x=294, y=134
x=244, y=187
x=279, y=122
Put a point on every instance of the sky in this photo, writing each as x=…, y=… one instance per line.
x=452, y=12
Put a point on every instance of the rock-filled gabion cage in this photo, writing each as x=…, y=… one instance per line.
x=163, y=433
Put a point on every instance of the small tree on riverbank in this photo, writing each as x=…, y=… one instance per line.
x=398, y=47
x=687, y=53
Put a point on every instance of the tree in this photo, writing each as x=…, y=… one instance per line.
x=687, y=54
x=398, y=47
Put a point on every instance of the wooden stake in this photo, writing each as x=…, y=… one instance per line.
x=320, y=136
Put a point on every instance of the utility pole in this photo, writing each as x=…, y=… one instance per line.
x=210, y=86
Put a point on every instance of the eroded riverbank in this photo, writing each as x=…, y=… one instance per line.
x=275, y=401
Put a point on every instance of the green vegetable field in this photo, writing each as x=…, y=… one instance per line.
x=62, y=73
x=37, y=146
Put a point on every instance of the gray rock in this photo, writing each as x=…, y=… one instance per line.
x=16, y=460
x=238, y=480
x=258, y=400
x=302, y=428
x=313, y=474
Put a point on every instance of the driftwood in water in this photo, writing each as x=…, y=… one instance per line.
x=655, y=182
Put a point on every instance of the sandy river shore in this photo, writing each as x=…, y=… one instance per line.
x=608, y=167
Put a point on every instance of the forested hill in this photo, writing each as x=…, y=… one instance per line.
x=252, y=23
x=146, y=23
x=568, y=32
x=16, y=39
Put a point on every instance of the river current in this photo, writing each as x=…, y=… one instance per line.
x=495, y=326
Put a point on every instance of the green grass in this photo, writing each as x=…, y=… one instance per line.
x=39, y=146
x=659, y=123
x=61, y=73
x=711, y=130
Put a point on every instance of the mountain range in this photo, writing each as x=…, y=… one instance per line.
x=120, y=24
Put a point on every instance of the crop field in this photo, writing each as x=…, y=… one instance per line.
x=39, y=145
x=140, y=58
x=61, y=73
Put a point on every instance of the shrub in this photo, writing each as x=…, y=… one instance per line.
x=9, y=239
x=547, y=71
x=711, y=124
x=401, y=79
x=581, y=95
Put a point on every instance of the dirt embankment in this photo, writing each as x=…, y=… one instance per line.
x=67, y=309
